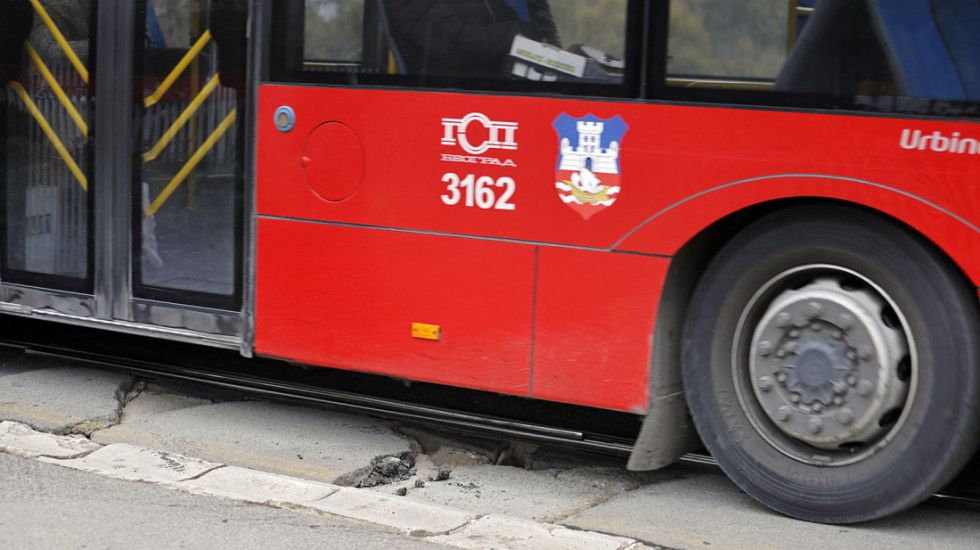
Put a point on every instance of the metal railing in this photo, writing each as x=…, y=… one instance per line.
x=210, y=112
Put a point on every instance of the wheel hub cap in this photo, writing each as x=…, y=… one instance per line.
x=826, y=363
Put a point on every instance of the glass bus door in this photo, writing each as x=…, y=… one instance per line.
x=46, y=153
x=188, y=170
x=122, y=164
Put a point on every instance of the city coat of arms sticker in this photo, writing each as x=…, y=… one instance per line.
x=588, y=178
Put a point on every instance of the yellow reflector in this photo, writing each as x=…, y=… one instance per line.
x=426, y=332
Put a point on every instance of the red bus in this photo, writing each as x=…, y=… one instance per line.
x=751, y=218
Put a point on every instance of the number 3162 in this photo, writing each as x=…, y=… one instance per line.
x=484, y=192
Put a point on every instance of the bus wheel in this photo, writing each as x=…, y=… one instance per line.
x=831, y=365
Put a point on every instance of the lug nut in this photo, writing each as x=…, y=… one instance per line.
x=865, y=352
x=845, y=416
x=783, y=413
x=765, y=347
x=845, y=321
x=865, y=387
x=838, y=400
x=815, y=425
x=781, y=377
x=817, y=407
x=765, y=383
x=783, y=319
x=813, y=309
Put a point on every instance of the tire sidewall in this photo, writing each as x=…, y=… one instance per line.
x=916, y=461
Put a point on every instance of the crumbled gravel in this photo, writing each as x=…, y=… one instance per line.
x=389, y=469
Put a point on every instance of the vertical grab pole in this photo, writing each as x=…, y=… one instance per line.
x=792, y=25
x=195, y=71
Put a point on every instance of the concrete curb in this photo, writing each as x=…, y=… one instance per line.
x=433, y=523
x=22, y=440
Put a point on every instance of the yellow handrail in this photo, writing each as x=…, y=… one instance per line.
x=184, y=62
x=55, y=141
x=165, y=139
x=60, y=38
x=57, y=89
x=191, y=164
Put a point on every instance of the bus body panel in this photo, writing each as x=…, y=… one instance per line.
x=670, y=155
x=558, y=324
x=594, y=322
x=453, y=180
x=949, y=229
x=408, y=167
x=347, y=297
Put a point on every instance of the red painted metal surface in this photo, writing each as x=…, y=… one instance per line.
x=347, y=297
x=472, y=192
x=594, y=326
x=333, y=161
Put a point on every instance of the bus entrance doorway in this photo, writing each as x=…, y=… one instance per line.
x=123, y=164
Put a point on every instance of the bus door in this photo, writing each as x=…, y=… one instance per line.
x=121, y=164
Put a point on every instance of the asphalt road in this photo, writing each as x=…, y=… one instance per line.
x=680, y=507
x=46, y=506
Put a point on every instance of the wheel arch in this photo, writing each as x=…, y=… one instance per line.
x=667, y=431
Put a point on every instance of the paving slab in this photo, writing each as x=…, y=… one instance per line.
x=19, y=439
x=708, y=511
x=138, y=464
x=255, y=486
x=151, y=401
x=310, y=443
x=395, y=512
x=63, y=399
x=540, y=495
x=517, y=534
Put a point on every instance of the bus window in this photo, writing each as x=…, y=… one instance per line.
x=839, y=55
x=333, y=33
x=730, y=43
x=471, y=44
x=861, y=54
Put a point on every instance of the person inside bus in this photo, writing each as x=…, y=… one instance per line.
x=16, y=17
x=469, y=38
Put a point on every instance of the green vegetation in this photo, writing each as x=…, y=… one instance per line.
x=727, y=38
x=333, y=30
x=174, y=17
x=597, y=23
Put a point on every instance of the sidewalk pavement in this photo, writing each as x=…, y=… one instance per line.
x=449, y=526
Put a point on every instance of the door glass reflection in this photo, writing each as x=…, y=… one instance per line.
x=189, y=180
x=45, y=152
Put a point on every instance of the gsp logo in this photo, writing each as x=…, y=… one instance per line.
x=477, y=134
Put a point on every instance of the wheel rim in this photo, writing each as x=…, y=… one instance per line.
x=830, y=364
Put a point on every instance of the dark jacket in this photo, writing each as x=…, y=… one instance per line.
x=463, y=37
x=16, y=19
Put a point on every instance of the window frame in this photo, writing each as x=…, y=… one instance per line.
x=658, y=88
x=284, y=67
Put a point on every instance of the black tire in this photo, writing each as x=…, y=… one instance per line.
x=831, y=365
